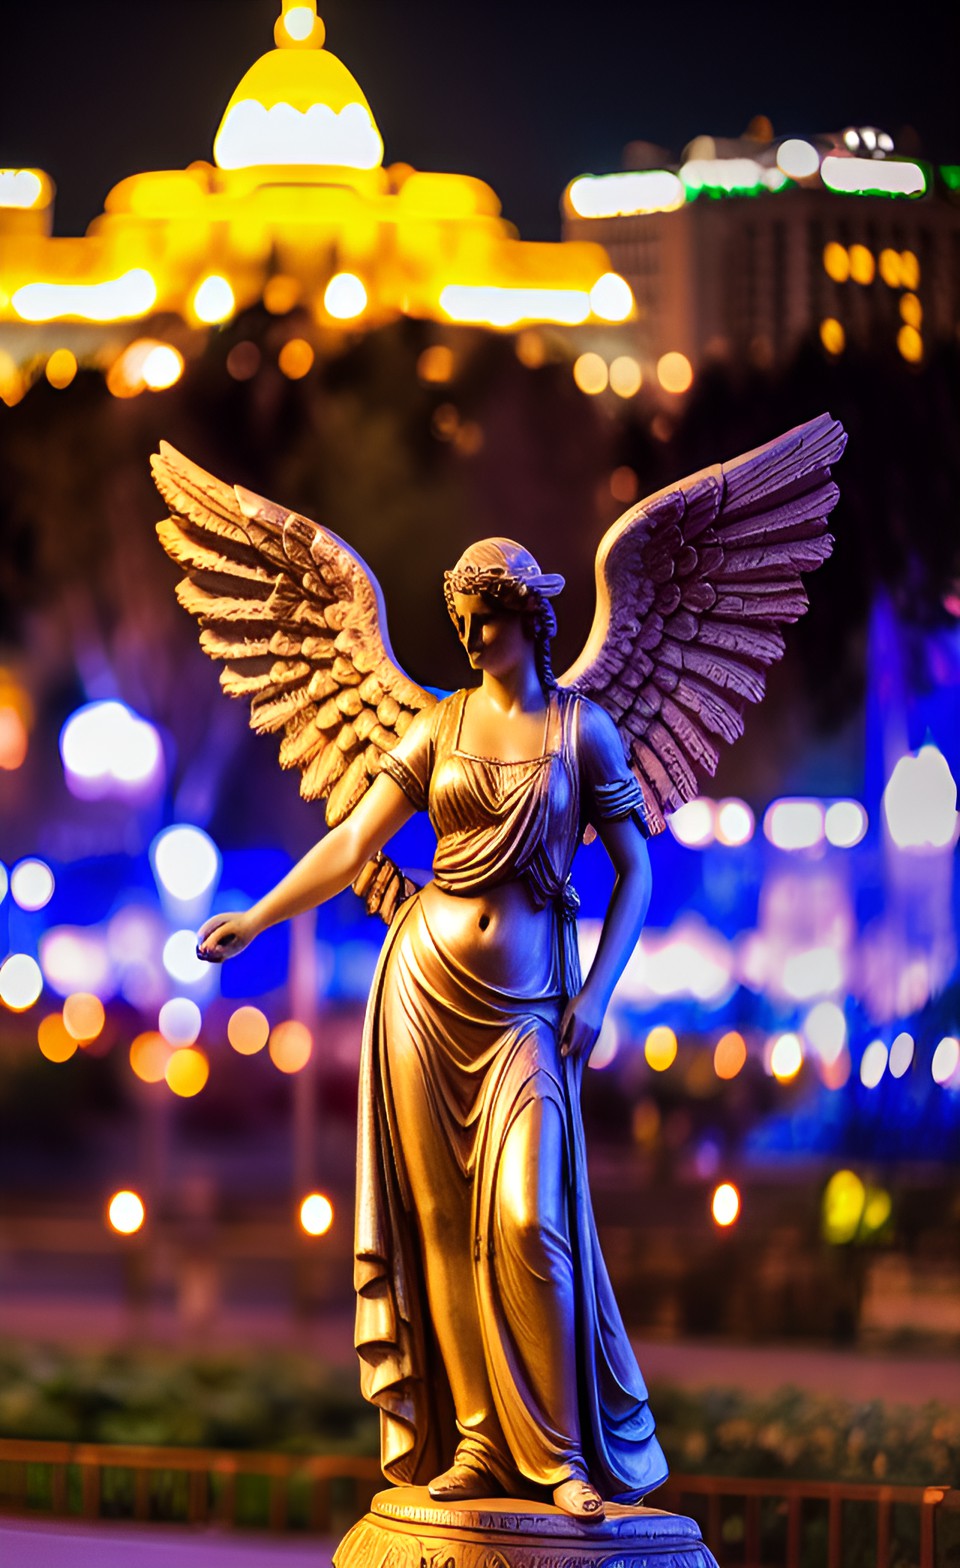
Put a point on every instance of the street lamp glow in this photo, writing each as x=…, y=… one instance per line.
x=345, y=297
x=786, y=1057
x=291, y=1046
x=734, y=823
x=725, y=1204
x=162, y=367
x=675, y=372
x=31, y=884
x=248, y=1030
x=945, y=1066
x=117, y=299
x=186, y=862
x=214, y=300
x=126, y=1213
x=611, y=298
x=186, y=1072
x=590, y=373
x=84, y=1017
x=660, y=1048
x=107, y=749
x=316, y=1214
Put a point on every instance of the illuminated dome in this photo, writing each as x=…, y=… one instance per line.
x=298, y=105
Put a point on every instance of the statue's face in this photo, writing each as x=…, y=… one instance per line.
x=493, y=638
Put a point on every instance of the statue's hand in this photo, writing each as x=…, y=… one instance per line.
x=224, y=936
x=580, y=1025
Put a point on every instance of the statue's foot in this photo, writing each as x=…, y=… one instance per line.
x=578, y=1498
x=462, y=1481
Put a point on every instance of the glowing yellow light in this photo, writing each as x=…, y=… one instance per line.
x=626, y=377
x=435, y=364
x=248, y=1030
x=214, y=300
x=911, y=310
x=620, y=195
x=118, y=299
x=149, y=1055
x=611, y=298
x=162, y=367
x=646, y=1121
x=725, y=1204
x=843, y=1204
x=590, y=373
x=530, y=349
x=797, y=159
x=889, y=176
x=888, y=263
x=909, y=270
x=61, y=368
x=344, y=297
x=20, y=188
x=21, y=982
x=12, y=384
x=910, y=344
x=786, y=1057
x=660, y=1048
x=862, y=266
x=14, y=739
x=54, y=1041
x=836, y=262
x=832, y=335
x=126, y=1213
x=877, y=1209
x=83, y=1016
x=296, y=359
x=316, y=1214
x=299, y=22
x=291, y=1046
x=493, y=306
x=730, y=1055
x=674, y=372
x=280, y=294
x=187, y=1071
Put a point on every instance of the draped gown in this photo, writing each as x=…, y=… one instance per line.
x=486, y=1323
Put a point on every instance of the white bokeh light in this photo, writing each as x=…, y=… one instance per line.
x=825, y=1028
x=845, y=823
x=734, y=823
x=180, y=959
x=21, y=982
x=920, y=802
x=945, y=1066
x=32, y=884
x=692, y=824
x=345, y=297
x=186, y=862
x=794, y=824
x=179, y=1021
x=873, y=1064
x=107, y=749
x=901, y=1054
x=4, y=881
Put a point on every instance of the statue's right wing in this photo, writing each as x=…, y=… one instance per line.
x=297, y=620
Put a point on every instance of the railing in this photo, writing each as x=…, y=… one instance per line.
x=747, y=1523
x=200, y=1485
x=824, y=1524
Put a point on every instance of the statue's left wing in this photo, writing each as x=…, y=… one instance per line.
x=693, y=585
x=297, y=620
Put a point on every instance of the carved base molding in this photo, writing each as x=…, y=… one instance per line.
x=406, y=1529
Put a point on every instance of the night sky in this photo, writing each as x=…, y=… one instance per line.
x=524, y=95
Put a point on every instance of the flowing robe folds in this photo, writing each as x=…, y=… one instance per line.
x=485, y=1318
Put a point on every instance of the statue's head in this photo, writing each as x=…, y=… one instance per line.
x=505, y=577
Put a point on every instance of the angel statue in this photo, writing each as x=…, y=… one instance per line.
x=487, y=1331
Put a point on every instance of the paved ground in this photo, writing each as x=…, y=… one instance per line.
x=47, y=1544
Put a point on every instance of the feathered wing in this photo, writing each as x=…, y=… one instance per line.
x=693, y=585
x=297, y=620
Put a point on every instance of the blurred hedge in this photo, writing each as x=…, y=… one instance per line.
x=293, y=1404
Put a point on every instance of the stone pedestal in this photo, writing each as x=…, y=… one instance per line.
x=406, y=1529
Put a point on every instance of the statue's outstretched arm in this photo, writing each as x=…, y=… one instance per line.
x=325, y=870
